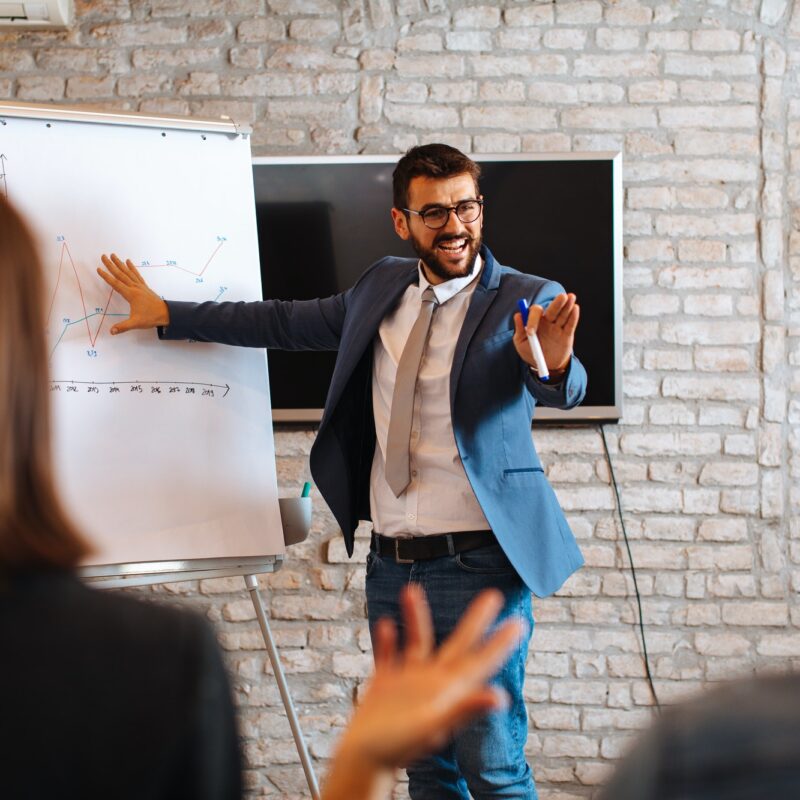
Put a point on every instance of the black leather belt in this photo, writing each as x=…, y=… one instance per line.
x=407, y=549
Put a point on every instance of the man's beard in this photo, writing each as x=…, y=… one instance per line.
x=437, y=262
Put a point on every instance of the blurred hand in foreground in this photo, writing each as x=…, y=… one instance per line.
x=420, y=695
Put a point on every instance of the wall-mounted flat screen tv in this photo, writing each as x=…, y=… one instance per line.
x=323, y=220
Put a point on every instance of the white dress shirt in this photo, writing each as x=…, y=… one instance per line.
x=439, y=498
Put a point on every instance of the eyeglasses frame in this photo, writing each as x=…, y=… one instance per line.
x=448, y=209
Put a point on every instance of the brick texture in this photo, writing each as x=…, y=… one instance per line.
x=704, y=100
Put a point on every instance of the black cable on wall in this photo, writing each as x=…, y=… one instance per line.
x=633, y=568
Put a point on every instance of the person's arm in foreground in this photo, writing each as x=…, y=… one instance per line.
x=418, y=697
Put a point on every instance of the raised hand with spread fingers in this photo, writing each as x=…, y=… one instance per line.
x=419, y=694
x=147, y=309
x=555, y=327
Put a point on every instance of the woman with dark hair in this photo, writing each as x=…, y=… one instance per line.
x=100, y=695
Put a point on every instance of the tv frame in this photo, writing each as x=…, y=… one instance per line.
x=595, y=415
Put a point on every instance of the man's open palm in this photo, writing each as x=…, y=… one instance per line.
x=147, y=309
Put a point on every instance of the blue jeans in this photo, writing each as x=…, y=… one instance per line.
x=487, y=757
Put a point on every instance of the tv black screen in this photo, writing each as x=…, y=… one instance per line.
x=323, y=221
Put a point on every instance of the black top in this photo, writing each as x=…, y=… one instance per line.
x=102, y=696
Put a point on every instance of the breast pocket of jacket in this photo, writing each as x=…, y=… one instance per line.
x=523, y=476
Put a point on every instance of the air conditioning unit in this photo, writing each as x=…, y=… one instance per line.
x=45, y=14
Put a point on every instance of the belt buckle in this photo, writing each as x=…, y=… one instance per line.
x=397, y=558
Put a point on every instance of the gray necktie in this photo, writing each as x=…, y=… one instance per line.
x=398, y=474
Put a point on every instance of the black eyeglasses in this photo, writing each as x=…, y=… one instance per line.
x=437, y=217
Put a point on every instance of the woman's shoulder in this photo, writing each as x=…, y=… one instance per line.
x=106, y=619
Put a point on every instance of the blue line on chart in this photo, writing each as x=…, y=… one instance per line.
x=75, y=322
x=222, y=291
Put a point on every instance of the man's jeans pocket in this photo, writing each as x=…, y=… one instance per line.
x=489, y=560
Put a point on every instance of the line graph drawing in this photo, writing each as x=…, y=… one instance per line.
x=170, y=263
x=66, y=263
x=69, y=323
x=102, y=312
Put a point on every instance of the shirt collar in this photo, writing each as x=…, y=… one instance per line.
x=444, y=291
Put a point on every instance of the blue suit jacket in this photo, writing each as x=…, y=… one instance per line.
x=492, y=398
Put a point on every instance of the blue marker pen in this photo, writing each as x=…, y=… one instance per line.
x=533, y=341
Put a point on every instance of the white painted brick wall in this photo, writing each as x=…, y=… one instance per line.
x=704, y=100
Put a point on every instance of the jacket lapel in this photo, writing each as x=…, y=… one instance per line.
x=366, y=324
x=485, y=292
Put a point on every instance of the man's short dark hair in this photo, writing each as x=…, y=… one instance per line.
x=430, y=161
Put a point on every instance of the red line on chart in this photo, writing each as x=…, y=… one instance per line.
x=190, y=271
x=103, y=312
x=92, y=339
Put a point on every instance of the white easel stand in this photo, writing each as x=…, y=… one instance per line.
x=251, y=581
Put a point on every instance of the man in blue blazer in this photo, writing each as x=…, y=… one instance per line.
x=471, y=508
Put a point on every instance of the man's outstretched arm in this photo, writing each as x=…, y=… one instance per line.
x=283, y=325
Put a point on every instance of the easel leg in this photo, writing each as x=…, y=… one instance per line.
x=252, y=586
